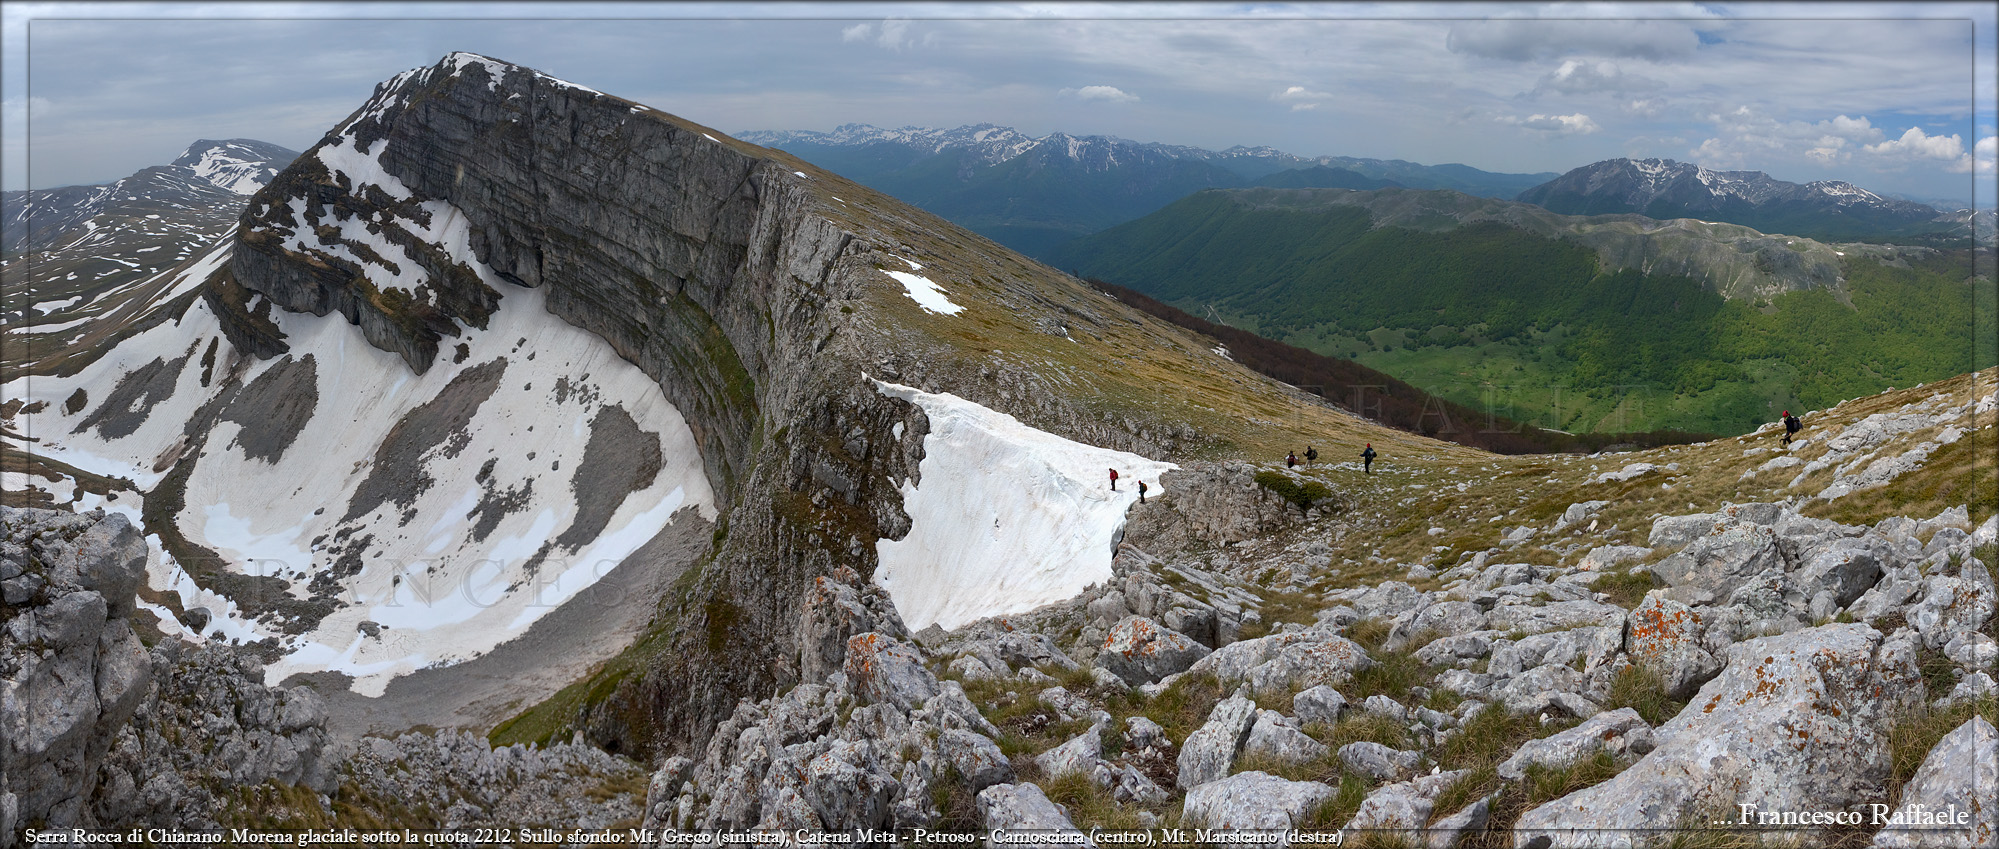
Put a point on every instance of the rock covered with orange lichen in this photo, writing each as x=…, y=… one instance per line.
x=1794, y=722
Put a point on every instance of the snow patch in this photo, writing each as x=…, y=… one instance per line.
x=1007, y=518
x=925, y=292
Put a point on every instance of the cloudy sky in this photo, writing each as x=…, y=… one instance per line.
x=1893, y=97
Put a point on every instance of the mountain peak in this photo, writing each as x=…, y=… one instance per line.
x=1668, y=189
x=241, y=166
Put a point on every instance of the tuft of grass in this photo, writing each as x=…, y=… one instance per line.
x=1625, y=589
x=1370, y=633
x=1335, y=812
x=1088, y=804
x=1368, y=727
x=1184, y=705
x=1281, y=606
x=1643, y=689
x=1326, y=768
x=1393, y=674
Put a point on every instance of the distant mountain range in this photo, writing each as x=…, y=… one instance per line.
x=1032, y=194
x=208, y=172
x=1823, y=209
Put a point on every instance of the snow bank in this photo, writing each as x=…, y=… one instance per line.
x=925, y=292
x=1007, y=518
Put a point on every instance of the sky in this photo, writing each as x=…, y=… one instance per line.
x=1893, y=97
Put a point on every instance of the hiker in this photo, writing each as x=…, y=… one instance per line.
x=1291, y=459
x=1791, y=427
x=1113, y=480
x=1311, y=455
x=1141, y=492
x=1367, y=459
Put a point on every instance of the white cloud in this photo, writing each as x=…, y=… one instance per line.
x=1301, y=98
x=1917, y=146
x=1579, y=77
x=1984, y=155
x=1646, y=106
x=892, y=34
x=1105, y=93
x=1745, y=138
x=1567, y=125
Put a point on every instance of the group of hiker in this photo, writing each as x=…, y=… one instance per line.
x=1791, y=427
x=1367, y=456
x=1141, y=486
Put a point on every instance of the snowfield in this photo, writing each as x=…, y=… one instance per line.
x=925, y=292
x=1006, y=517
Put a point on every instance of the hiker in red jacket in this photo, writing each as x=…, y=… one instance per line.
x=1113, y=480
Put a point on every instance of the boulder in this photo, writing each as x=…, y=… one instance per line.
x=1276, y=736
x=885, y=669
x=1403, y=808
x=1534, y=618
x=1142, y=651
x=1619, y=732
x=1794, y=722
x=1081, y=754
x=1958, y=775
x=1316, y=655
x=1211, y=750
x=1023, y=807
x=1675, y=531
x=1127, y=784
x=1379, y=762
x=1320, y=704
x=978, y=760
x=1712, y=567
x=1254, y=800
x=1846, y=569
x=1606, y=556
x=1952, y=605
x=1665, y=635
x=1443, y=619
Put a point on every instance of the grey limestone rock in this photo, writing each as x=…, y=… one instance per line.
x=1319, y=703
x=976, y=757
x=1081, y=753
x=1254, y=800
x=1278, y=737
x=1794, y=722
x=1379, y=762
x=1316, y=655
x=1127, y=784
x=1023, y=807
x=1619, y=732
x=1140, y=733
x=1957, y=776
x=885, y=669
x=1666, y=635
x=1142, y=651
x=1211, y=750
x=1402, y=808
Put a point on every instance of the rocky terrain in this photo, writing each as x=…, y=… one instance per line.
x=1599, y=677
x=105, y=729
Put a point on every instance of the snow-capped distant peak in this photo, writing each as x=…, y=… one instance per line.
x=241, y=166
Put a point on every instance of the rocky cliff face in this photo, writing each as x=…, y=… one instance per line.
x=747, y=284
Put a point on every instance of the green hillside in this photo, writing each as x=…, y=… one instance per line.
x=1539, y=329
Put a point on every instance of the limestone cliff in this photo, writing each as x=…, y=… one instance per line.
x=751, y=286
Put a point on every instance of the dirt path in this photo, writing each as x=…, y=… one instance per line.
x=554, y=652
